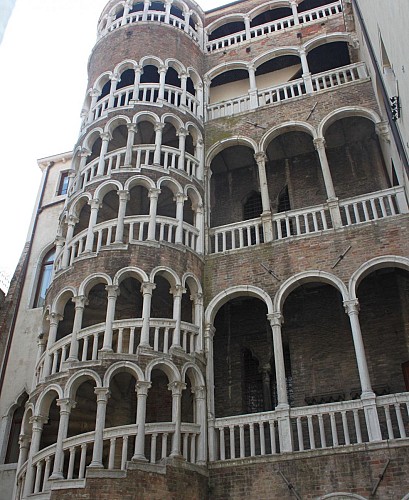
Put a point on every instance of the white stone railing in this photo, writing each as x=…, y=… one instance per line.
x=77, y=451
x=373, y=206
x=155, y=16
x=246, y=436
x=393, y=413
x=142, y=155
x=126, y=340
x=289, y=90
x=339, y=76
x=309, y=16
x=310, y=220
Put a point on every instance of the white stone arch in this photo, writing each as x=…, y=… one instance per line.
x=224, y=67
x=312, y=276
x=199, y=379
x=172, y=184
x=62, y=298
x=190, y=278
x=92, y=280
x=26, y=427
x=151, y=61
x=176, y=65
x=182, y=5
x=92, y=136
x=79, y=203
x=166, y=272
x=237, y=140
x=327, y=38
x=342, y=496
x=372, y=265
x=173, y=120
x=272, y=4
x=123, y=366
x=194, y=75
x=166, y=366
x=42, y=406
x=7, y=422
x=124, y=65
x=345, y=112
x=115, y=122
x=146, y=116
x=228, y=18
x=197, y=134
x=273, y=53
x=107, y=186
x=101, y=81
x=193, y=194
x=114, y=9
x=128, y=272
x=139, y=180
x=233, y=292
x=77, y=379
x=283, y=128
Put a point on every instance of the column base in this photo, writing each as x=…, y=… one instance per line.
x=56, y=476
x=96, y=465
x=71, y=360
x=106, y=349
x=139, y=458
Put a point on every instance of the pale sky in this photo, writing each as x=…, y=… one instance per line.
x=43, y=59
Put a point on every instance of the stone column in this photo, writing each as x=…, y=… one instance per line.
x=147, y=290
x=200, y=98
x=162, y=76
x=180, y=201
x=72, y=220
x=106, y=137
x=182, y=133
x=85, y=153
x=199, y=155
x=123, y=199
x=132, y=129
x=282, y=408
x=137, y=82
x=146, y=5
x=94, y=99
x=54, y=319
x=141, y=389
x=200, y=401
x=95, y=206
x=37, y=422
x=265, y=198
x=295, y=11
x=319, y=144
x=247, y=22
x=168, y=6
x=186, y=15
x=24, y=445
x=80, y=302
x=197, y=299
x=177, y=291
x=368, y=397
x=102, y=400
x=176, y=388
x=114, y=82
x=113, y=292
x=153, y=196
x=306, y=74
x=199, y=216
x=183, y=84
x=265, y=371
x=127, y=8
x=253, y=87
x=41, y=344
x=158, y=142
x=209, y=334
x=66, y=405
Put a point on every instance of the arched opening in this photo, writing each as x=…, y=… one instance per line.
x=108, y=209
x=355, y=157
x=229, y=84
x=226, y=29
x=136, y=7
x=277, y=71
x=328, y=56
x=188, y=212
x=166, y=204
x=106, y=89
x=13, y=448
x=95, y=150
x=187, y=305
x=83, y=216
x=159, y=402
x=44, y=278
x=271, y=15
x=66, y=324
x=311, y=4
x=172, y=77
x=51, y=411
x=234, y=172
x=162, y=299
x=130, y=300
x=118, y=139
x=95, y=309
x=145, y=133
x=127, y=79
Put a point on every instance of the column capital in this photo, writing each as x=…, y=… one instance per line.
x=180, y=197
x=319, y=143
x=142, y=387
x=84, y=153
x=147, y=288
x=177, y=290
x=112, y=290
x=138, y=69
x=80, y=301
x=114, y=77
x=276, y=319
x=154, y=192
x=260, y=157
x=183, y=74
x=66, y=405
x=176, y=387
x=38, y=421
x=105, y=136
x=123, y=194
x=24, y=440
x=382, y=131
x=162, y=69
x=182, y=132
x=102, y=394
x=210, y=330
x=72, y=220
x=95, y=204
x=158, y=126
x=197, y=298
x=199, y=391
x=132, y=127
x=54, y=318
x=351, y=307
x=94, y=93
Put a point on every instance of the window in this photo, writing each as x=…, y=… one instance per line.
x=63, y=184
x=44, y=279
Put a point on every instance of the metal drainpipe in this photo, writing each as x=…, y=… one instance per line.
x=22, y=278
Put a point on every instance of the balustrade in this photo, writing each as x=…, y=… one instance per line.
x=393, y=412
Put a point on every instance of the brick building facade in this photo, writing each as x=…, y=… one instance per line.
x=214, y=300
